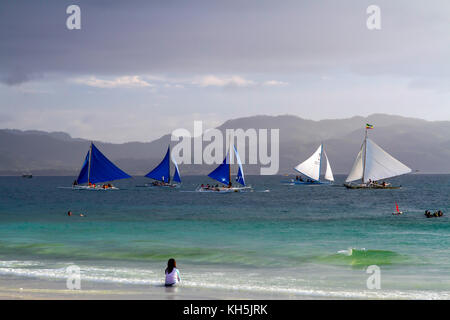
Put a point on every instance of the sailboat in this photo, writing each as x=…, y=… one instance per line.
x=397, y=210
x=222, y=174
x=312, y=168
x=372, y=164
x=98, y=169
x=161, y=174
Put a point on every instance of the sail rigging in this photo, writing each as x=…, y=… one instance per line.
x=311, y=167
x=97, y=168
x=373, y=163
x=223, y=172
x=162, y=171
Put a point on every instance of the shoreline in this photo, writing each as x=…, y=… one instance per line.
x=13, y=287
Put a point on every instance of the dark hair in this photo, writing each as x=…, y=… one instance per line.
x=171, y=264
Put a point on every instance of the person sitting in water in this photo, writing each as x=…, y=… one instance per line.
x=427, y=213
x=69, y=213
x=440, y=213
x=172, y=273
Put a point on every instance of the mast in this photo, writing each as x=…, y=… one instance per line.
x=170, y=157
x=320, y=162
x=229, y=160
x=89, y=165
x=364, y=159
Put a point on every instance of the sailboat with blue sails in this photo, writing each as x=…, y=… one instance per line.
x=161, y=173
x=96, y=170
x=222, y=174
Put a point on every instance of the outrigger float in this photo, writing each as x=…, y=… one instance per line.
x=373, y=164
x=96, y=171
x=222, y=174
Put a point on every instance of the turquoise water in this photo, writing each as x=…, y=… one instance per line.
x=292, y=240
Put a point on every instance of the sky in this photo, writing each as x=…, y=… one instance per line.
x=138, y=70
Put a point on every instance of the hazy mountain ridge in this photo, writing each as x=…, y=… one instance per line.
x=420, y=144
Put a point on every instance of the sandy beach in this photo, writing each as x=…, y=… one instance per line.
x=28, y=288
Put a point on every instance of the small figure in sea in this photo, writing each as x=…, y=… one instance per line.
x=82, y=215
x=69, y=213
x=172, y=273
x=427, y=213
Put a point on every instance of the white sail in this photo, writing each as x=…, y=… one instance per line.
x=328, y=172
x=357, y=171
x=373, y=163
x=380, y=164
x=311, y=166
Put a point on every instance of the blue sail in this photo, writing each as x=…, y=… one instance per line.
x=176, y=175
x=162, y=171
x=240, y=175
x=83, y=176
x=222, y=172
x=101, y=168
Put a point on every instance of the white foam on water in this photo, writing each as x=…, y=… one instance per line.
x=212, y=280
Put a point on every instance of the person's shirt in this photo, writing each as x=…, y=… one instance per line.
x=173, y=277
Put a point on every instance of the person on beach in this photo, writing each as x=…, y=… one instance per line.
x=172, y=273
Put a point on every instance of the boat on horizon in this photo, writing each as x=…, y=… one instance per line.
x=161, y=173
x=96, y=170
x=373, y=164
x=312, y=168
x=27, y=175
x=222, y=174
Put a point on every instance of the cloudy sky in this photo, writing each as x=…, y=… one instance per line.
x=137, y=71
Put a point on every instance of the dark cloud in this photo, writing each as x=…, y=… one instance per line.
x=118, y=37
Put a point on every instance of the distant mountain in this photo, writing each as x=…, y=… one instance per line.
x=422, y=145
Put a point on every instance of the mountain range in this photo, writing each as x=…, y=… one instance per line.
x=422, y=145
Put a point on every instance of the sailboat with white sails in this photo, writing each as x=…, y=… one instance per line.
x=222, y=174
x=312, y=168
x=373, y=164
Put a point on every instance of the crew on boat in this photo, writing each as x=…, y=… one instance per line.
x=436, y=214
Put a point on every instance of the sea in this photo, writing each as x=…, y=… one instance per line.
x=283, y=240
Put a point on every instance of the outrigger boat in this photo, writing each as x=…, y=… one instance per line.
x=312, y=168
x=161, y=174
x=373, y=164
x=223, y=174
x=96, y=170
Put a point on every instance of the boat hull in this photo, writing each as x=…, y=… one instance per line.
x=363, y=186
x=305, y=183
x=93, y=188
x=225, y=189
